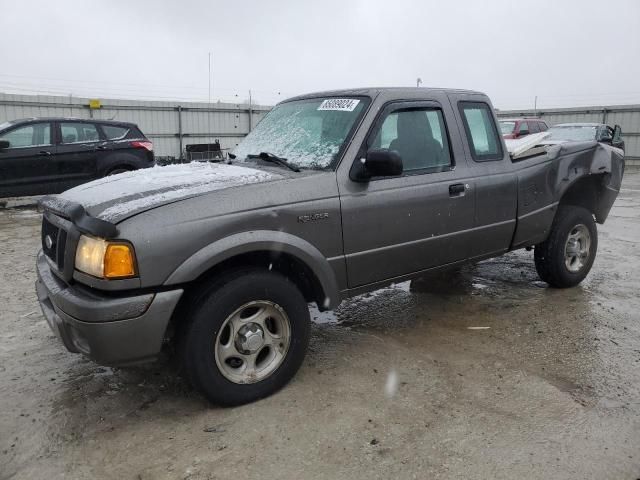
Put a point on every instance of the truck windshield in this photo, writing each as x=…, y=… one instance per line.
x=309, y=133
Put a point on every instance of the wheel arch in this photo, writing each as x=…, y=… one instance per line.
x=586, y=192
x=292, y=256
x=116, y=160
x=119, y=166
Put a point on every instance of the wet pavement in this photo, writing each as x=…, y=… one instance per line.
x=482, y=374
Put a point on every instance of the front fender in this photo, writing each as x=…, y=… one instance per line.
x=259, y=241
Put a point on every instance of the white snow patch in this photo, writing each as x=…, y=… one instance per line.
x=153, y=186
x=391, y=387
x=519, y=146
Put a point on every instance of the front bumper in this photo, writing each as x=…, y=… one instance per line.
x=110, y=330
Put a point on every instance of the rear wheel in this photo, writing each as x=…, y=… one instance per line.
x=566, y=257
x=246, y=337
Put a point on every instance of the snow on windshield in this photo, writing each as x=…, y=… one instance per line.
x=308, y=133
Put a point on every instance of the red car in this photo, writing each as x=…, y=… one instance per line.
x=519, y=127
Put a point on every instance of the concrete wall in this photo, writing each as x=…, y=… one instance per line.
x=170, y=125
x=627, y=116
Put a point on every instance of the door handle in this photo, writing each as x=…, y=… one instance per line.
x=44, y=153
x=457, y=189
x=102, y=147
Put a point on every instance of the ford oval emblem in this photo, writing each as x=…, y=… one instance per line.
x=48, y=241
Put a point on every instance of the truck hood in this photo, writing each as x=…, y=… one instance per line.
x=121, y=196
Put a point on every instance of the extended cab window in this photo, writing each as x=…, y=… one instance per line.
x=481, y=131
x=78, y=132
x=419, y=136
x=34, y=135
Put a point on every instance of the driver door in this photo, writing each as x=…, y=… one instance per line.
x=394, y=226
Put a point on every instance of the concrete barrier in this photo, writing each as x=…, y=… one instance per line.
x=20, y=202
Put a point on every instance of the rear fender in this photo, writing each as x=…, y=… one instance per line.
x=589, y=175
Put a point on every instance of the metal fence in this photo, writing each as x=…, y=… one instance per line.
x=173, y=125
x=170, y=125
x=627, y=116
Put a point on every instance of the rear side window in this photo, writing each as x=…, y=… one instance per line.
x=533, y=127
x=75, y=132
x=419, y=136
x=113, y=132
x=543, y=126
x=481, y=131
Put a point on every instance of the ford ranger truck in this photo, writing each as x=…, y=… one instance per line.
x=332, y=195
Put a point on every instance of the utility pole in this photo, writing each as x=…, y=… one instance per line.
x=210, y=78
x=209, y=112
x=418, y=82
x=535, y=106
x=250, y=112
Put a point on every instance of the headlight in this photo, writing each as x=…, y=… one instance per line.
x=104, y=259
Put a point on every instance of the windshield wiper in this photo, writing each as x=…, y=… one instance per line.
x=270, y=157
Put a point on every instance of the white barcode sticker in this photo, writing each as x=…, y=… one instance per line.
x=339, y=104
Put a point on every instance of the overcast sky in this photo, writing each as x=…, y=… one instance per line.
x=566, y=52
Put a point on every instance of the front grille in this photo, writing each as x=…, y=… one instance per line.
x=54, y=240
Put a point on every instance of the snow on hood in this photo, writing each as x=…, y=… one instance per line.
x=119, y=196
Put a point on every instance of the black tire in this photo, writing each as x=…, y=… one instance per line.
x=212, y=306
x=550, y=255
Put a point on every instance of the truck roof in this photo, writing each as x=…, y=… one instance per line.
x=373, y=91
x=66, y=119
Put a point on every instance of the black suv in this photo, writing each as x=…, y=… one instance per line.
x=50, y=155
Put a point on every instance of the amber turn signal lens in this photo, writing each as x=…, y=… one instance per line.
x=119, y=261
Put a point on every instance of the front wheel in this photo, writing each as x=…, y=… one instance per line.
x=565, y=258
x=246, y=337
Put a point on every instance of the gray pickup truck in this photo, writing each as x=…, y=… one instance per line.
x=333, y=194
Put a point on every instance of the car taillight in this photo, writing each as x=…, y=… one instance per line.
x=145, y=145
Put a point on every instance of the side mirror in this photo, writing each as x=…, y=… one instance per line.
x=617, y=134
x=4, y=144
x=379, y=162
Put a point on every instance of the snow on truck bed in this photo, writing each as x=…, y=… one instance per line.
x=519, y=146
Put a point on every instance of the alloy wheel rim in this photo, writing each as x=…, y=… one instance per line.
x=577, y=248
x=252, y=342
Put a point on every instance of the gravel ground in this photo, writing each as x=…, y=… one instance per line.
x=397, y=384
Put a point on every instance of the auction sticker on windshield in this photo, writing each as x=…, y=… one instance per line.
x=340, y=104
